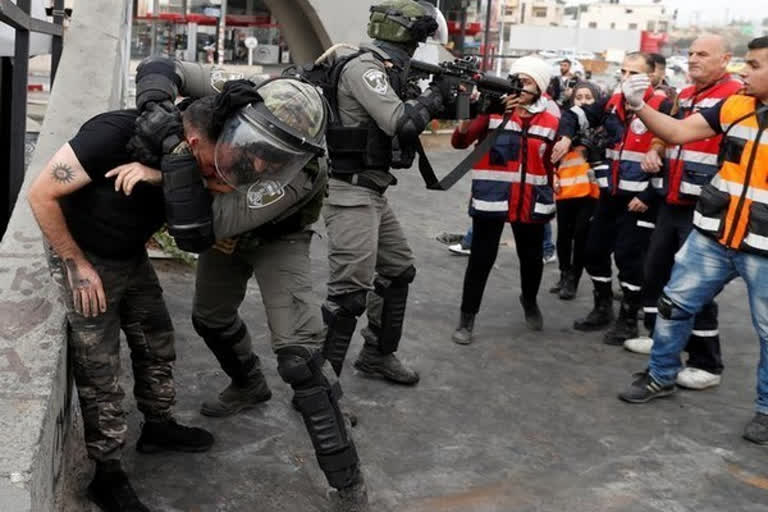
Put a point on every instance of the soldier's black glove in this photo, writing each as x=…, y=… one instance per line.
x=156, y=81
x=161, y=124
x=447, y=87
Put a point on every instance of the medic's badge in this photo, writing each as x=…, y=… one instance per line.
x=638, y=127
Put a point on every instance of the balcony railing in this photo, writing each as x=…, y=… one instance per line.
x=13, y=93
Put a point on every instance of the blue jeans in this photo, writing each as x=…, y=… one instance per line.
x=549, y=247
x=466, y=242
x=702, y=268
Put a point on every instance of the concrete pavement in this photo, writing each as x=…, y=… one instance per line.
x=519, y=421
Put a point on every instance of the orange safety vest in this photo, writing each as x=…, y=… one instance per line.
x=575, y=178
x=733, y=207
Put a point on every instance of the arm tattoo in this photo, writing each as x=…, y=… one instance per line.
x=62, y=173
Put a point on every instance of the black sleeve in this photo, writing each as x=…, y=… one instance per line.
x=666, y=107
x=712, y=116
x=100, y=144
x=569, y=124
x=553, y=89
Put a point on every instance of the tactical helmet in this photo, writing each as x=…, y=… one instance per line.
x=265, y=144
x=401, y=21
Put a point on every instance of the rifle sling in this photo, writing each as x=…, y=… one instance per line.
x=428, y=173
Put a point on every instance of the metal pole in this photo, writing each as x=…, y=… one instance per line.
x=501, y=37
x=222, y=31
x=463, y=30
x=18, y=110
x=487, y=35
x=153, y=29
x=57, y=43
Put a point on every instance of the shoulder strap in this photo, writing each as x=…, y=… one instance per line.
x=335, y=75
x=428, y=173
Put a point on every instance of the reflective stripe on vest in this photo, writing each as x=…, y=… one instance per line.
x=511, y=180
x=625, y=157
x=733, y=208
x=691, y=166
x=573, y=177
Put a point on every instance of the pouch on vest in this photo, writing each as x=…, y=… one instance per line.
x=712, y=205
x=505, y=149
x=694, y=177
x=758, y=225
x=731, y=151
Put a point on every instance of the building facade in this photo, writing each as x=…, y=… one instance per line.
x=605, y=16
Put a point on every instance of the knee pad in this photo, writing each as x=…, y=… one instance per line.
x=405, y=278
x=352, y=303
x=341, y=323
x=394, y=294
x=669, y=310
x=222, y=341
x=317, y=400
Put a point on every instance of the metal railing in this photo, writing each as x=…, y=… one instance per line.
x=13, y=93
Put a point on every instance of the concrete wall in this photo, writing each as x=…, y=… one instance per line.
x=311, y=26
x=35, y=394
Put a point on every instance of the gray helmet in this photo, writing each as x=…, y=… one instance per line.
x=401, y=21
x=265, y=144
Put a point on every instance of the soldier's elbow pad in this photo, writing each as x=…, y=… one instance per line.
x=417, y=113
x=193, y=238
x=188, y=204
x=196, y=79
x=156, y=81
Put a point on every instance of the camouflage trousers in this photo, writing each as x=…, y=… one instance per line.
x=135, y=305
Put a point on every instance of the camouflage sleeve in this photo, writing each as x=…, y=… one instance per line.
x=366, y=80
x=235, y=213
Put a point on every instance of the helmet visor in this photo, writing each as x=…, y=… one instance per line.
x=441, y=34
x=250, y=152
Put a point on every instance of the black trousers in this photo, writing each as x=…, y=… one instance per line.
x=573, y=219
x=486, y=234
x=673, y=226
x=615, y=230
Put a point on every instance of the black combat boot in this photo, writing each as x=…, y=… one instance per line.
x=236, y=398
x=601, y=315
x=463, y=333
x=626, y=324
x=533, y=318
x=372, y=362
x=568, y=287
x=559, y=284
x=160, y=436
x=111, y=490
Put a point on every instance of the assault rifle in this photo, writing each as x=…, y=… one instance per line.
x=465, y=76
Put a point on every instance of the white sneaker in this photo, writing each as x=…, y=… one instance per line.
x=459, y=249
x=639, y=345
x=694, y=378
x=550, y=259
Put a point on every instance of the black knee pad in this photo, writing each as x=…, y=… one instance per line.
x=394, y=292
x=405, y=278
x=317, y=400
x=221, y=341
x=352, y=303
x=669, y=310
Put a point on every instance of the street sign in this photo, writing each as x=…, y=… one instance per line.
x=251, y=42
